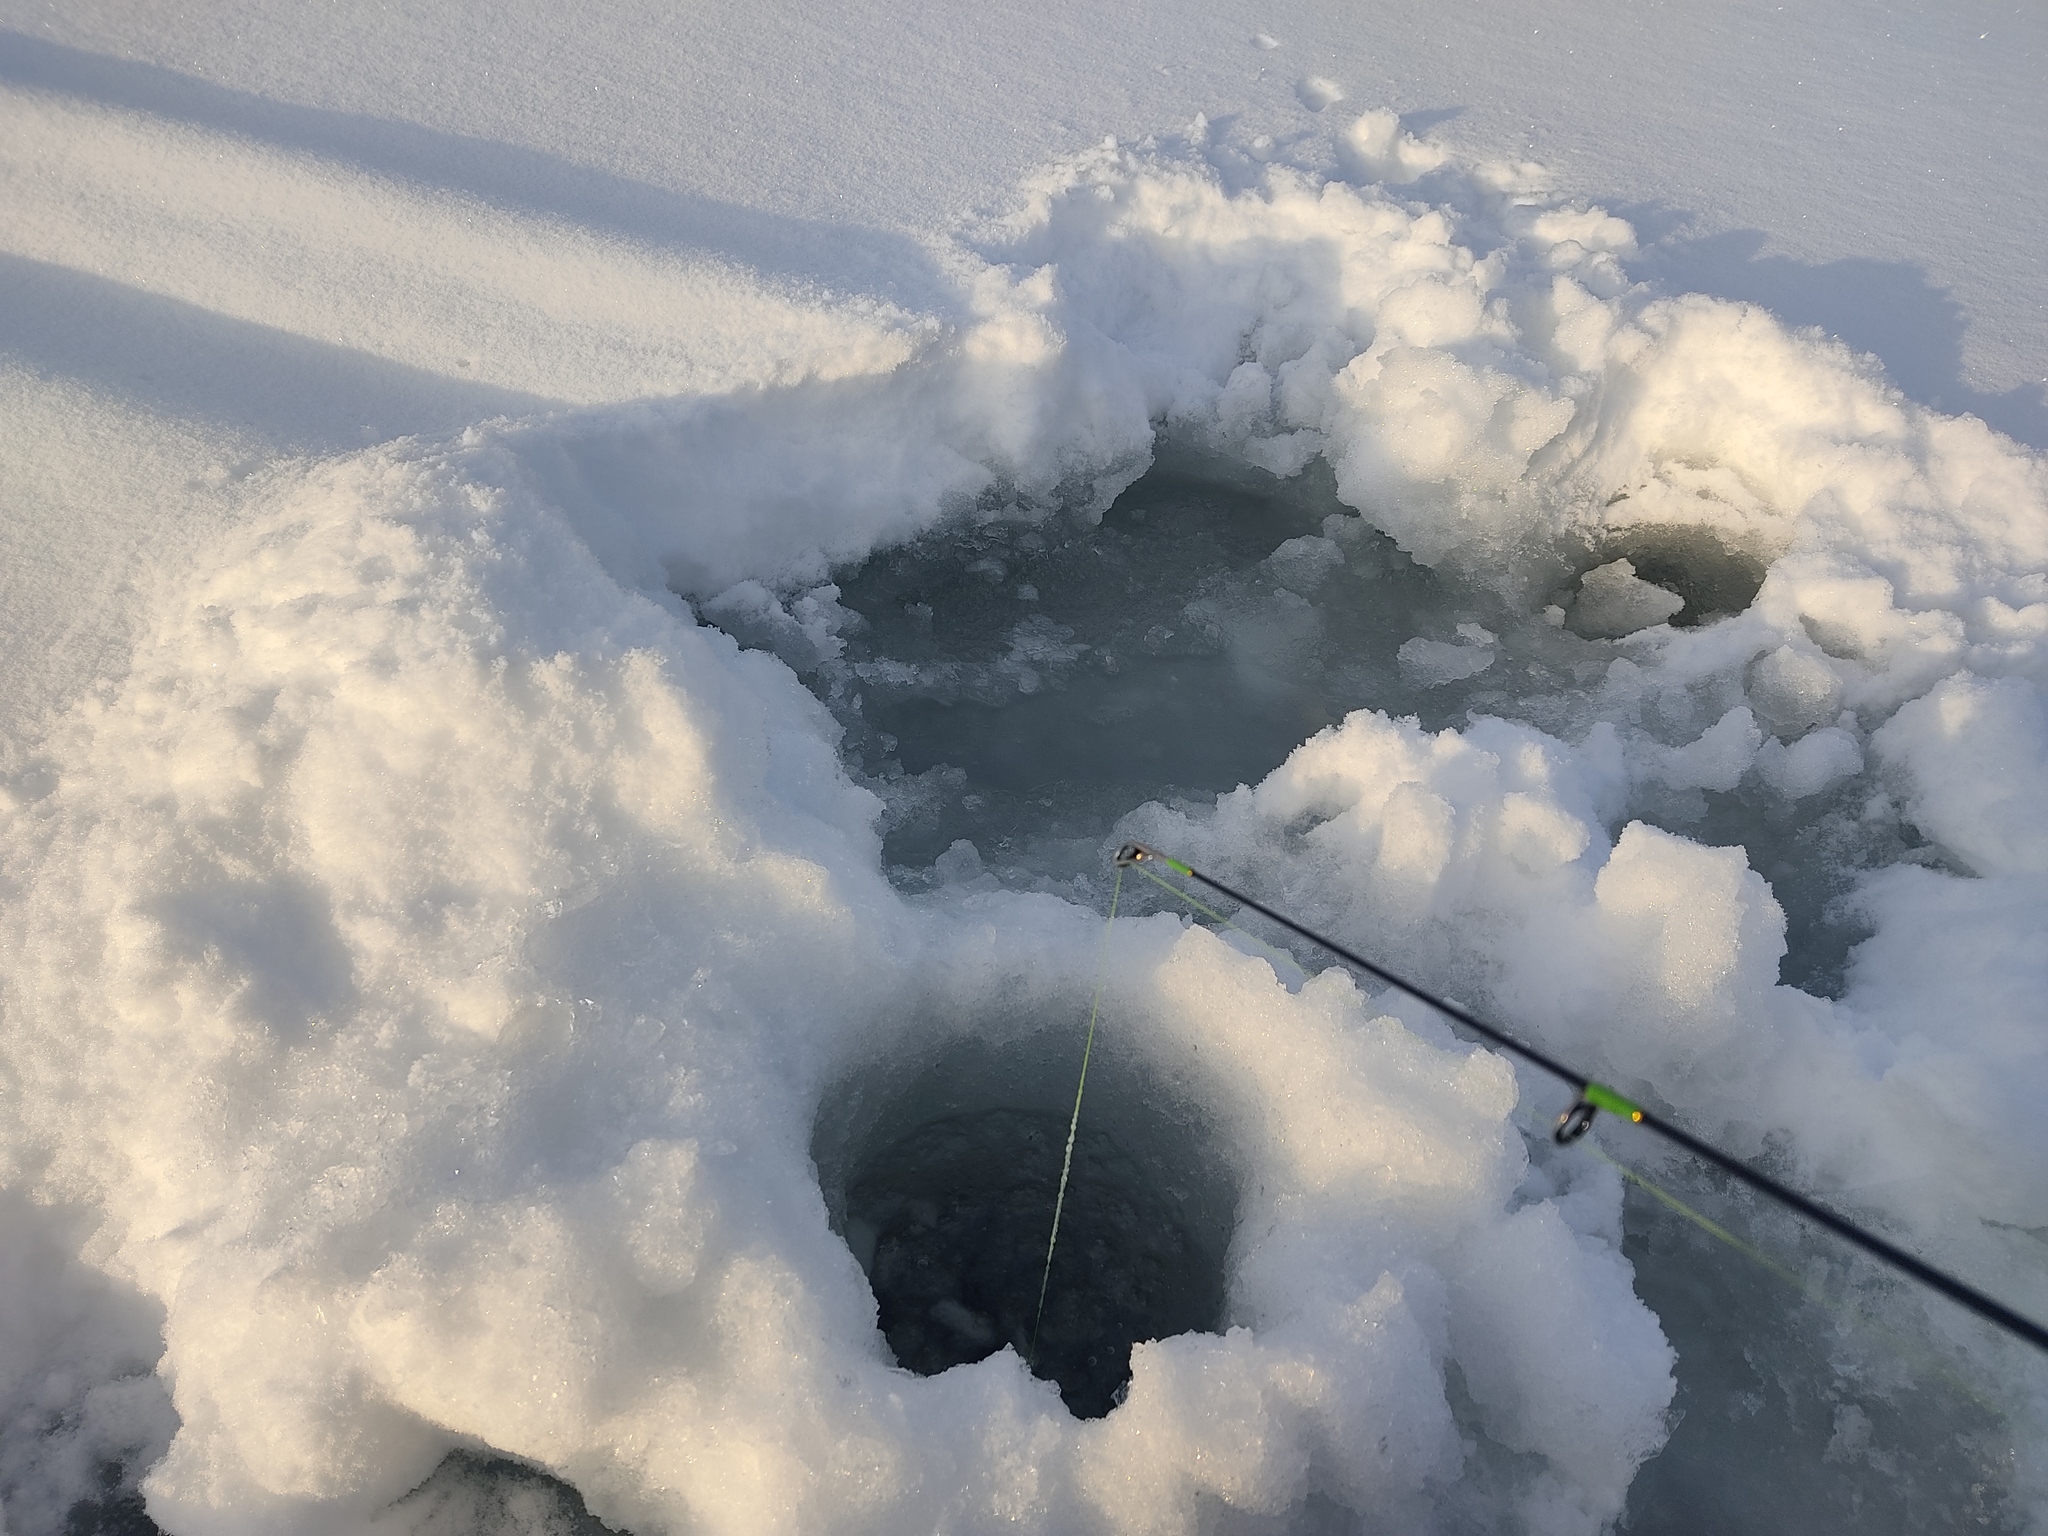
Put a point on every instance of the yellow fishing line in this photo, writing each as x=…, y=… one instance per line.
x=1907, y=1349
x=1059, y=1204
x=1272, y=949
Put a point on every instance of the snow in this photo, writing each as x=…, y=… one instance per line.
x=1973, y=753
x=511, y=522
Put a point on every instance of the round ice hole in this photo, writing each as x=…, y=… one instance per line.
x=946, y=1199
x=1714, y=578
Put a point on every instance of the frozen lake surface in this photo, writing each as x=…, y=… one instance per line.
x=587, y=600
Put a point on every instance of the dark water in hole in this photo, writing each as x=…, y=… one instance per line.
x=958, y=1213
x=1714, y=580
x=1815, y=854
x=1064, y=674
x=1022, y=688
x=116, y=1514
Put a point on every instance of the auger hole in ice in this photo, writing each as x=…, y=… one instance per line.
x=943, y=1186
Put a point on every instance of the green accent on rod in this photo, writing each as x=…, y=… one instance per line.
x=1602, y=1097
x=1273, y=951
x=1175, y=865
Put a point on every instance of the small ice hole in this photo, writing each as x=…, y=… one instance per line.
x=1714, y=579
x=947, y=1202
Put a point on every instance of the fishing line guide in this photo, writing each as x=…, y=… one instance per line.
x=1571, y=1125
x=1594, y=1096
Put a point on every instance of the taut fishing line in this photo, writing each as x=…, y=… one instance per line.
x=1908, y=1349
x=1059, y=1203
x=1574, y=1122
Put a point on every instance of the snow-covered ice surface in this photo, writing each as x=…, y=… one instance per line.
x=580, y=635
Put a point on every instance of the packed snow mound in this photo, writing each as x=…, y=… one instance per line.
x=476, y=944
x=433, y=965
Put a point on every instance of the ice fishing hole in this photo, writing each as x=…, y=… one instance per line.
x=1715, y=579
x=943, y=1187
x=1014, y=684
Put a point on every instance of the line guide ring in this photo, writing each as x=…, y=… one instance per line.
x=1571, y=1125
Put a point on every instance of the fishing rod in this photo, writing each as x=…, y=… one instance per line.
x=1595, y=1096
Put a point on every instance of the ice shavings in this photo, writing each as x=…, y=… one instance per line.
x=399, y=747
x=1430, y=663
x=1975, y=757
x=1815, y=762
x=1613, y=601
x=1477, y=859
x=474, y=941
x=80, y=1404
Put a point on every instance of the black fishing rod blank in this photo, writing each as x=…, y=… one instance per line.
x=1594, y=1097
